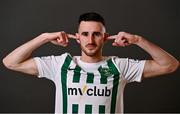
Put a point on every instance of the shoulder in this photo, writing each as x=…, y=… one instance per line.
x=117, y=60
x=127, y=63
x=52, y=58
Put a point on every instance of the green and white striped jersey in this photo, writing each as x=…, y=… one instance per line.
x=80, y=90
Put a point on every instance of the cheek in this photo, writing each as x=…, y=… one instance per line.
x=82, y=41
x=100, y=41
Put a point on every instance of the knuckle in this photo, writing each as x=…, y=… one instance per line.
x=62, y=32
x=122, y=32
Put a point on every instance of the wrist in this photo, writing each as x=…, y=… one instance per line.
x=139, y=40
x=42, y=38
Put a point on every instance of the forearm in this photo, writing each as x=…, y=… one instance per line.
x=23, y=52
x=160, y=56
x=161, y=63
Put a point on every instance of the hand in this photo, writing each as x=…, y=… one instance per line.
x=124, y=39
x=58, y=38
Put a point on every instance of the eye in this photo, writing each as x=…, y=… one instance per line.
x=98, y=34
x=84, y=33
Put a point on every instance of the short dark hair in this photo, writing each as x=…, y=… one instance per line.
x=91, y=16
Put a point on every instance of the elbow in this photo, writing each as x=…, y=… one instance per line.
x=7, y=64
x=173, y=67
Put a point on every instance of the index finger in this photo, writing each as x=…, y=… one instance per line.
x=71, y=36
x=112, y=37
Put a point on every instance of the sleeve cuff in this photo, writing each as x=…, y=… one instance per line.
x=139, y=78
x=37, y=61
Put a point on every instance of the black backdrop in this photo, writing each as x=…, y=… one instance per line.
x=22, y=20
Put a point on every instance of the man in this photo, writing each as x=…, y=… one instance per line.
x=90, y=83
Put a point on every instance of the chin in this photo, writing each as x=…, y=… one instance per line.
x=90, y=52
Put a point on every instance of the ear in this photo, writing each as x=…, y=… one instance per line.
x=106, y=35
x=78, y=36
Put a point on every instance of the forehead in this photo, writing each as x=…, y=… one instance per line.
x=91, y=26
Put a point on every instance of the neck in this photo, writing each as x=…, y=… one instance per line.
x=91, y=59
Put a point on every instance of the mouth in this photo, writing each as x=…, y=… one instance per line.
x=91, y=46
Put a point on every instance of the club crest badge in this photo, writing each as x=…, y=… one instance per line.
x=105, y=71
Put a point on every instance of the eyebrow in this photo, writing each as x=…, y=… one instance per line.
x=97, y=32
x=84, y=32
x=88, y=32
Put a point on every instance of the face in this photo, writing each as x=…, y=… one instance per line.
x=91, y=36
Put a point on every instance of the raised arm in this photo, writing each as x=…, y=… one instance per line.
x=20, y=59
x=161, y=63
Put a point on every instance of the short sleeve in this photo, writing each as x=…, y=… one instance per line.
x=49, y=65
x=130, y=69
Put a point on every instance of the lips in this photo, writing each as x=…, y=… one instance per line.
x=91, y=46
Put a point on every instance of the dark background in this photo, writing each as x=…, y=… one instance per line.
x=22, y=20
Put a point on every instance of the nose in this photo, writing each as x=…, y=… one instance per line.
x=91, y=39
